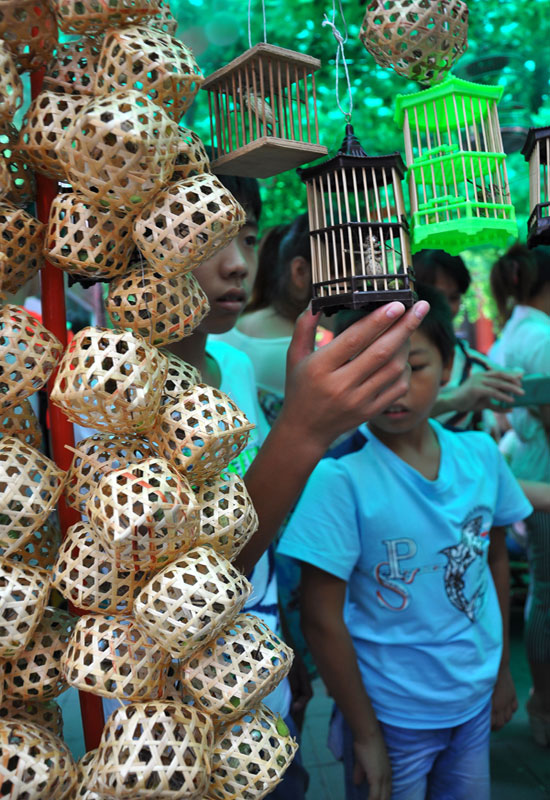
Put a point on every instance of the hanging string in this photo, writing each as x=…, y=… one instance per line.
x=250, y=22
x=340, y=42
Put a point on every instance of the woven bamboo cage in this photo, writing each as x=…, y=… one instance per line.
x=250, y=756
x=24, y=593
x=28, y=354
x=187, y=222
x=30, y=486
x=192, y=157
x=90, y=17
x=21, y=242
x=28, y=30
x=35, y=673
x=420, y=39
x=11, y=88
x=20, y=422
x=47, y=714
x=43, y=128
x=22, y=177
x=164, y=20
x=39, y=549
x=201, y=432
x=97, y=455
x=151, y=62
x=34, y=763
x=160, y=308
x=154, y=750
x=145, y=514
x=73, y=68
x=180, y=377
x=85, y=240
x=85, y=575
x=85, y=771
x=6, y=182
x=237, y=669
x=188, y=602
x=110, y=379
x=120, y=150
x=112, y=657
x=228, y=518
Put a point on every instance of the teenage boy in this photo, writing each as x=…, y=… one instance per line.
x=405, y=590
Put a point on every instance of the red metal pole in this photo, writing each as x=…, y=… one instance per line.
x=55, y=319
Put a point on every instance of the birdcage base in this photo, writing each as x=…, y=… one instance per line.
x=456, y=235
x=368, y=301
x=538, y=226
x=267, y=156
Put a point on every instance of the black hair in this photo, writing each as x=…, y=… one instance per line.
x=437, y=325
x=247, y=192
x=265, y=283
x=427, y=263
x=518, y=276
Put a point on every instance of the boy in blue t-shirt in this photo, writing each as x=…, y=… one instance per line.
x=404, y=589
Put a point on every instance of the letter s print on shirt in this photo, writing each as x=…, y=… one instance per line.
x=466, y=565
x=389, y=575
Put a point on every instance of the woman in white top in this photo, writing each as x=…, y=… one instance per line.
x=520, y=282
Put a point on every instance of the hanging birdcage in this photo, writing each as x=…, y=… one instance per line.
x=360, y=255
x=458, y=184
x=263, y=112
x=536, y=151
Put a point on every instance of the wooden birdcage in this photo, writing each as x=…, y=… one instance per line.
x=11, y=88
x=420, y=39
x=536, y=151
x=24, y=592
x=228, y=518
x=73, y=68
x=458, y=183
x=263, y=112
x=180, y=377
x=90, y=17
x=28, y=30
x=360, y=253
x=46, y=713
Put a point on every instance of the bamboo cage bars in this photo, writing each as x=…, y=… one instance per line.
x=537, y=152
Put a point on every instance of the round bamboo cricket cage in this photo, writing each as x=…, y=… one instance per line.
x=180, y=377
x=187, y=222
x=20, y=422
x=201, y=432
x=160, y=308
x=237, y=669
x=84, y=574
x=90, y=17
x=35, y=673
x=6, y=183
x=47, y=714
x=110, y=379
x=420, y=39
x=22, y=191
x=24, y=593
x=28, y=30
x=151, y=62
x=21, y=242
x=164, y=20
x=85, y=771
x=39, y=549
x=35, y=763
x=112, y=657
x=192, y=158
x=188, y=602
x=120, y=150
x=85, y=240
x=154, y=750
x=228, y=518
x=11, y=88
x=250, y=757
x=73, y=68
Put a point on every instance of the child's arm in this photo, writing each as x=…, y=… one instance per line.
x=328, y=392
x=538, y=494
x=504, y=695
x=323, y=597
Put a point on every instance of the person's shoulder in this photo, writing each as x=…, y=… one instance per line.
x=227, y=355
x=465, y=441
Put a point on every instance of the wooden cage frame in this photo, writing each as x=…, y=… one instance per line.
x=263, y=112
x=536, y=151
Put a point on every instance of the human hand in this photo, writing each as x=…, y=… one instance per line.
x=505, y=702
x=372, y=763
x=483, y=389
x=354, y=377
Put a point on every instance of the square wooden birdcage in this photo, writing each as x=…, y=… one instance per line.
x=263, y=112
x=537, y=152
x=360, y=254
x=458, y=184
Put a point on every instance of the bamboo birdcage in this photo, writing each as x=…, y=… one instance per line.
x=420, y=39
x=86, y=240
x=360, y=252
x=21, y=242
x=11, y=88
x=34, y=763
x=250, y=756
x=111, y=380
x=201, y=432
x=28, y=30
x=263, y=112
x=85, y=575
x=188, y=602
x=112, y=657
x=92, y=17
x=35, y=672
x=39, y=549
x=20, y=422
x=187, y=222
x=152, y=751
x=228, y=518
x=237, y=669
x=73, y=68
x=24, y=593
x=46, y=713
x=180, y=377
x=22, y=177
x=151, y=62
x=536, y=151
x=458, y=183
x=161, y=308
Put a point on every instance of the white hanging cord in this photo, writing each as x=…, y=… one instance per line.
x=340, y=42
x=250, y=22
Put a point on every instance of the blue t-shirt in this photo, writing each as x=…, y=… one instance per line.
x=421, y=605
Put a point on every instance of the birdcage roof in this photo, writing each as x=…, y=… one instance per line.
x=535, y=135
x=259, y=56
x=436, y=112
